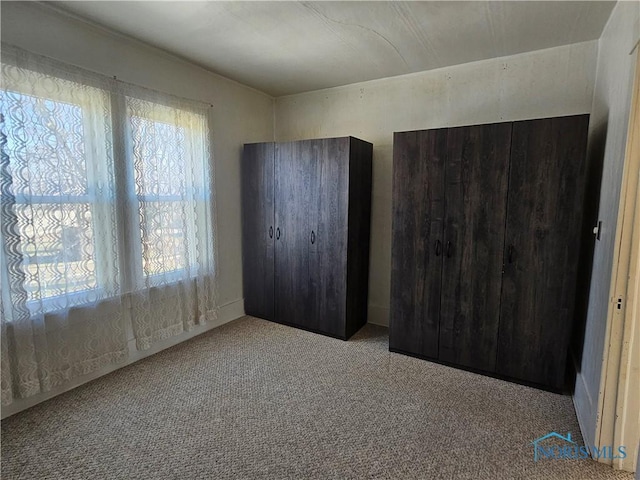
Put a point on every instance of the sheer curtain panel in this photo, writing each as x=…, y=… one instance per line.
x=170, y=236
x=107, y=221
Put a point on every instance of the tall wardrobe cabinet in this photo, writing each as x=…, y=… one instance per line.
x=486, y=236
x=306, y=210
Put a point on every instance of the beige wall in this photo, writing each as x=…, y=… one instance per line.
x=545, y=83
x=241, y=114
x=607, y=142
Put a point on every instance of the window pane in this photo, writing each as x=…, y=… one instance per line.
x=57, y=248
x=45, y=144
x=159, y=152
x=162, y=233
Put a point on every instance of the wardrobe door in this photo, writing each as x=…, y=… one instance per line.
x=416, y=251
x=258, y=229
x=476, y=182
x=327, y=235
x=293, y=301
x=542, y=244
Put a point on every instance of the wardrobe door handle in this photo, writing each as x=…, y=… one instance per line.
x=449, y=249
x=278, y=233
x=438, y=248
x=510, y=253
x=271, y=231
x=313, y=237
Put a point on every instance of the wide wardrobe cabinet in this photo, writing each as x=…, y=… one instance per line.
x=486, y=235
x=306, y=209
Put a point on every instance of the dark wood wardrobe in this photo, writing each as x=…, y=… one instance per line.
x=486, y=238
x=306, y=209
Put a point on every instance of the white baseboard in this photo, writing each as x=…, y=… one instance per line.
x=227, y=313
x=378, y=315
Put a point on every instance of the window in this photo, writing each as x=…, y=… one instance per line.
x=52, y=138
x=168, y=186
x=111, y=192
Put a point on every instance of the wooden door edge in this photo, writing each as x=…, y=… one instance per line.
x=614, y=393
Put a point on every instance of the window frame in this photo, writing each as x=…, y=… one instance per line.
x=95, y=172
x=138, y=277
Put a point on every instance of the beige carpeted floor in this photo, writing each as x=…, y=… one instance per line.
x=253, y=399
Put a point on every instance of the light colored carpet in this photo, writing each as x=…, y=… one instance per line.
x=253, y=399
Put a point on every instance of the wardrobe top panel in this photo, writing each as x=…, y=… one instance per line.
x=313, y=139
x=492, y=123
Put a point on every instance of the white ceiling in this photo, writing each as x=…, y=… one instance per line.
x=289, y=47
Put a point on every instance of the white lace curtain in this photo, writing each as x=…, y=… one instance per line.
x=107, y=220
